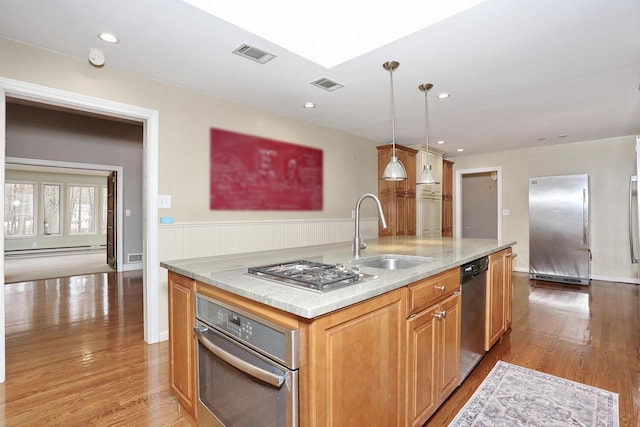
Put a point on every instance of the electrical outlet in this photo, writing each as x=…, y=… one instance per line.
x=164, y=202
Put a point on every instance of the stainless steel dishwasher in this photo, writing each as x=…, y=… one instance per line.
x=473, y=290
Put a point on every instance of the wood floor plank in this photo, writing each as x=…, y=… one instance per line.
x=76, y=355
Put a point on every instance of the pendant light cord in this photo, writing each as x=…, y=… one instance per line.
x=393, y=115
x=426, y=118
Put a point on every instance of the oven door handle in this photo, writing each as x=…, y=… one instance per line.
x=236, y=362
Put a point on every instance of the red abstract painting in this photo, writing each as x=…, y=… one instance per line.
x=254, y=173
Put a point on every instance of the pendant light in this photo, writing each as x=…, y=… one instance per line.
x=394, y=171
x=427, y=176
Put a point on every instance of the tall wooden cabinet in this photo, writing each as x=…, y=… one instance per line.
x=447, y=198
x=429, y=212
x=398, y=198
x=499, y=296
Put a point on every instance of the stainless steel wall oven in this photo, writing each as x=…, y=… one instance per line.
x=247, y=368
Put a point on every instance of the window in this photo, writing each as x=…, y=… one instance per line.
x=82, y=209
x=18, y=209
x=51, y=205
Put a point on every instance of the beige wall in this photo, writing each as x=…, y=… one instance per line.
x=186, y=116
x=609, y=163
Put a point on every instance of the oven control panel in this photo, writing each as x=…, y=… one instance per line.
x=234, y=324
x=255, y=332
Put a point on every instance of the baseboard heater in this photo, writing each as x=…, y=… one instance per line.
x=48, y=250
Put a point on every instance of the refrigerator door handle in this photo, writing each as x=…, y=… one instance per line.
x=634, y=258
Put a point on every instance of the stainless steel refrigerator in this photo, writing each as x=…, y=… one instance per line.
x=559, y=229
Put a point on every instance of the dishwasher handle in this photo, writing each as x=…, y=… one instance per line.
x=236, y=362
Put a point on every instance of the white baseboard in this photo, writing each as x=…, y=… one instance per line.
x=132, y=266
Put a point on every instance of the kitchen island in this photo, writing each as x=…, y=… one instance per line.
x=388, y=346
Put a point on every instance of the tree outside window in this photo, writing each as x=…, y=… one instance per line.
x=51, y=203
x=18, y=209
x=82, y=206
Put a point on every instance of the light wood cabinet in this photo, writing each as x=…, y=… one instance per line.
x=182, y=363
x=398, y=198
x=390, y=360
x=356, y=365
x=499, y=296
x=431, y=225
x=433, y=344
x=429, y=213
x=447, y=198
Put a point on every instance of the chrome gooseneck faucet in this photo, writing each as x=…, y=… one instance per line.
x=357, y=240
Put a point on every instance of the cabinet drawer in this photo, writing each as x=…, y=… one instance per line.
x=427, y=291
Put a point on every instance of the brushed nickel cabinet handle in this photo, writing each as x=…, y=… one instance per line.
x=440, y=314
x=441, y=288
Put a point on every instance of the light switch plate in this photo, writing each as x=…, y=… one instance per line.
x=164, y=202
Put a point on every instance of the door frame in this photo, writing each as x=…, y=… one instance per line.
x=86, y=166
x=150, y=121
x=458, y=196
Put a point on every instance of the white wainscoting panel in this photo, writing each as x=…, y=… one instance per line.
x=191, y=240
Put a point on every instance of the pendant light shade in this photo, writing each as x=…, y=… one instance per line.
x=394, y=171
x=427, y=176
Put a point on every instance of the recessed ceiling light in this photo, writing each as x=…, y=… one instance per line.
x=444, y=95
x=309, y=104
x=440, y=142
x=108, y=37
x=460, y=149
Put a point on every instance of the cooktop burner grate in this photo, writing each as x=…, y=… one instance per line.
x=308, y=274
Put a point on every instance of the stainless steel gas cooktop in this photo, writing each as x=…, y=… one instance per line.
x=311, y=275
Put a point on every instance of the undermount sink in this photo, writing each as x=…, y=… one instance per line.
x=392, y=261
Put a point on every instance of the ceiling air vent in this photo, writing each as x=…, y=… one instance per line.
x=327, y=84
x=254, y=54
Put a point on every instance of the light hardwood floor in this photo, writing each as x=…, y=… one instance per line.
x=76, y=356
x=585, y=334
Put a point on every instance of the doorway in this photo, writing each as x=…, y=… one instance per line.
x=479, y=203
x=150, y=120
x=53, y=242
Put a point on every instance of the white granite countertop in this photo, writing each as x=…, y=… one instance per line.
x=229, y=272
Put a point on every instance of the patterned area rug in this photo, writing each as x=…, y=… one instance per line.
x=515, y=396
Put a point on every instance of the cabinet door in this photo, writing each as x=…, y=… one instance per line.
x=436, y=216
x=449, y=346
x=400, y=218
x=433, y=366
x=388, y=208
x=356, y=365
x=422, y=339
x=498, y=296
x=508, y=287
x=410, y=202
x=431, y=216
x=398, y=197
x=181, y=341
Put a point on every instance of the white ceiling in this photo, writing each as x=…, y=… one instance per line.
x=518, y=71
